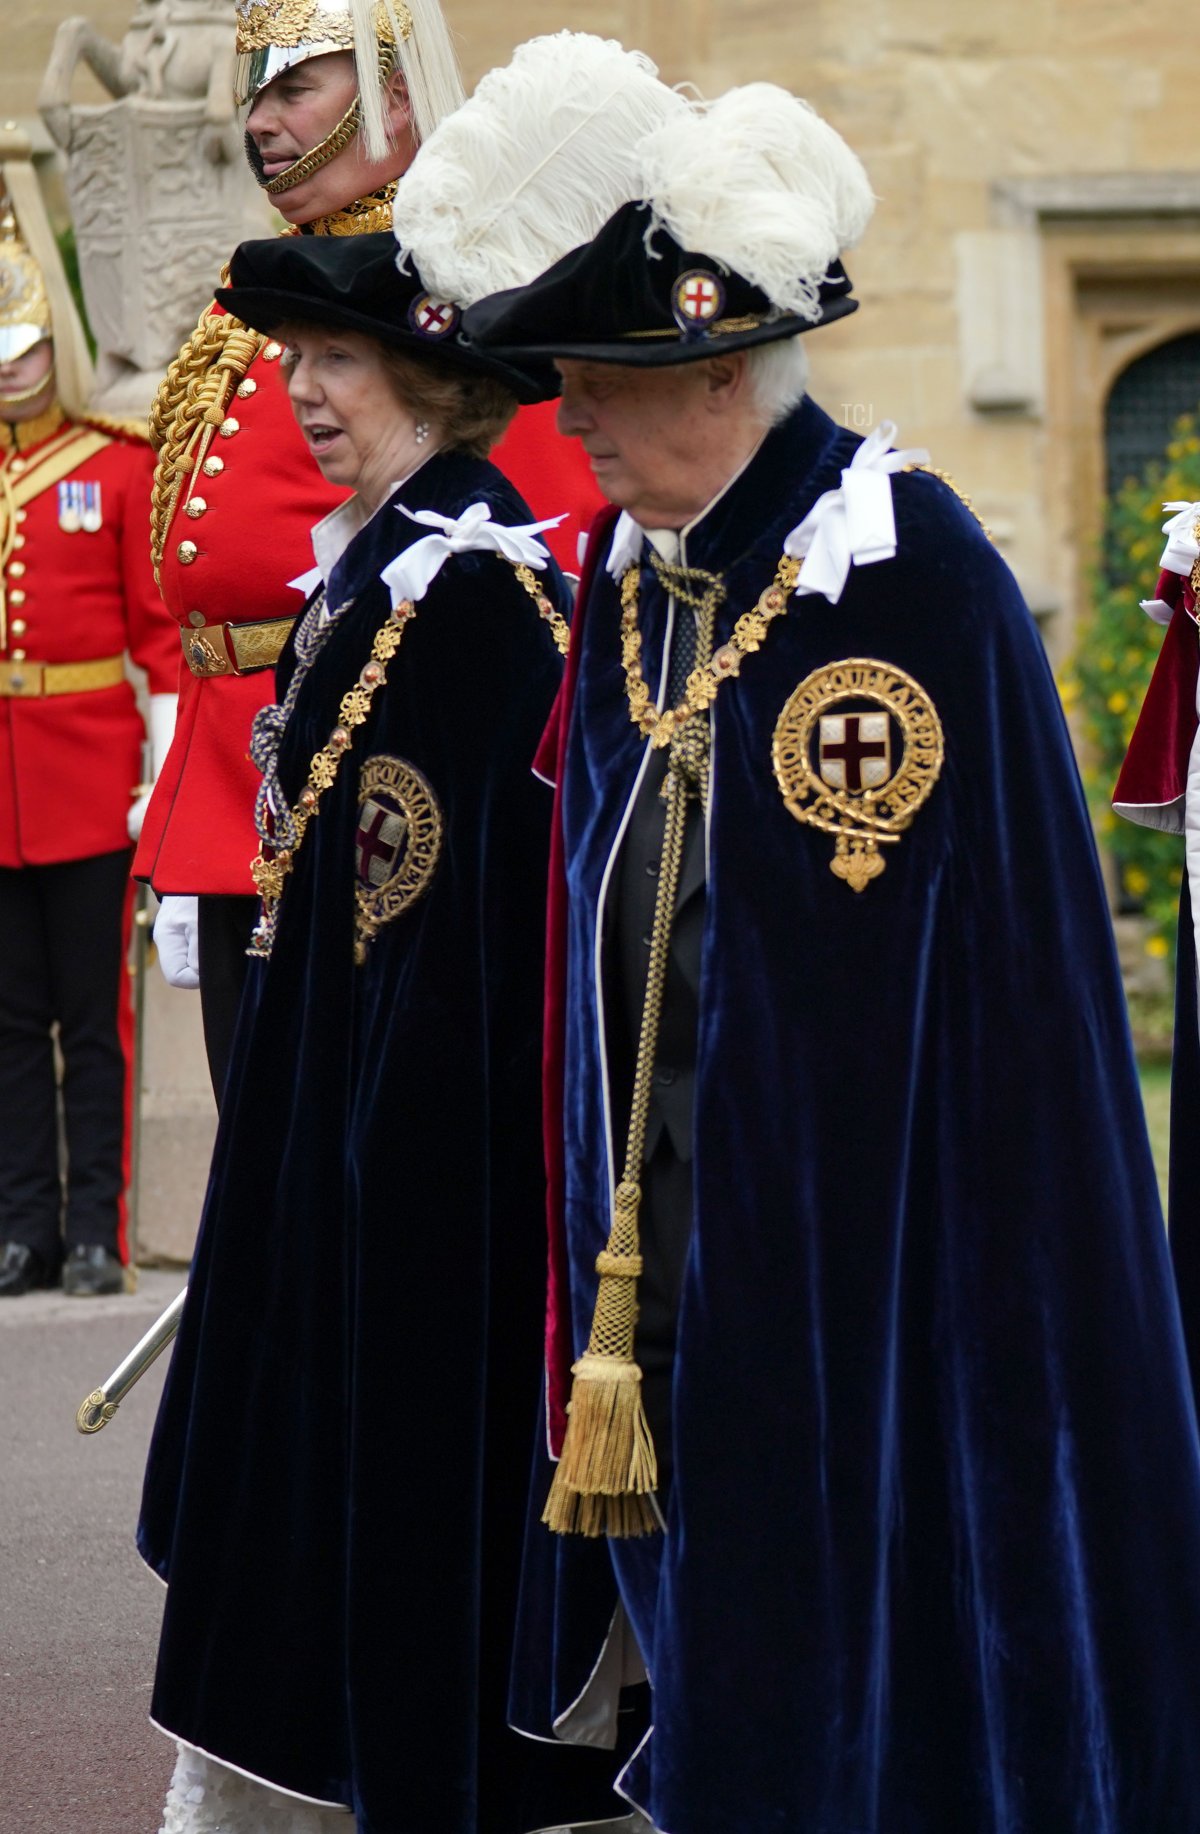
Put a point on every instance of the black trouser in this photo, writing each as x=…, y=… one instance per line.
x=62, y=962
x=225, y=923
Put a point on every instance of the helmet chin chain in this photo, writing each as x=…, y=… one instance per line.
x=310, y=162
x=27, y=394
x=327, y=149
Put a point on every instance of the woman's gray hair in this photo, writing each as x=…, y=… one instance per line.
x=778, y=377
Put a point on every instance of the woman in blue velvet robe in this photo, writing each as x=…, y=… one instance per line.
x=330, y=1495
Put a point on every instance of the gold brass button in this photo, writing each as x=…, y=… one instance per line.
x=17, y=467
x=187, y=552
x=21, y=515
x=195, y=619
x=19, y=627
x=18, y=655
x=194, y=507
x=16, y=596
x=214, y=466
x=15, y=569
x=247, y=388
x=272, y=351
x=229, y=426
x=18, y=540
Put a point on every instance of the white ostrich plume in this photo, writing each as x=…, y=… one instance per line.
x=425, y=58
x=759, y=182
x=532, y=166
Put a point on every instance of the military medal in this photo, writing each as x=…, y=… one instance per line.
x=70, y=507
x=857, y=750
x=79, y=507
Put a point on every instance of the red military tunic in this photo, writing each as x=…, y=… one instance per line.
x=229, y=561
x=70, y=761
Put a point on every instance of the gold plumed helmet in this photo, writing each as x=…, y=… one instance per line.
x=384, y=36
x=24, y=300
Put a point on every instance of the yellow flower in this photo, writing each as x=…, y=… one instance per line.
x=1107, y=664
x=1158, y=947
x=1117, y=701
x=1136, y=881
x=1175, y=876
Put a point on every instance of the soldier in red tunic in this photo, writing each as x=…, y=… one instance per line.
x=338, y=95
x=76, y=594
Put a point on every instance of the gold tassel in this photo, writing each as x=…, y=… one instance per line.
x=608, y=1469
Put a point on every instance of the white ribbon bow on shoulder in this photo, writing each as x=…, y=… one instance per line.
x=856, y=524
x=412, y=573
x=1182, y=550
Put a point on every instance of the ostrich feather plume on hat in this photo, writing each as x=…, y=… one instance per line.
x=764, y=186
x=533, y=165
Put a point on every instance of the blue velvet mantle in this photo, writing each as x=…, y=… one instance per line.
x=932, y=1563
x=335, y=1486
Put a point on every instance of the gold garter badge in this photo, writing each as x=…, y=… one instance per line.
x=397, y=844
x=857, y=750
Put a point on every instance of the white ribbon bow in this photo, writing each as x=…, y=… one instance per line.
x=1182, y=550
x=411, y=574
x=855, y=525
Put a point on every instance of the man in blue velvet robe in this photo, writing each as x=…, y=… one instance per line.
x=924, y=1551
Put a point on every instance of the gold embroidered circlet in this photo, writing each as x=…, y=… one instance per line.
x=835, y=768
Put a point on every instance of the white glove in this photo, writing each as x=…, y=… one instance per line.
x=176, y=934
x=162, y=731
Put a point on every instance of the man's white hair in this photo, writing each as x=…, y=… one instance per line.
x=778, y=377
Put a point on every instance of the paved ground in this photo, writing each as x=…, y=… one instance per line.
x=78, y=1611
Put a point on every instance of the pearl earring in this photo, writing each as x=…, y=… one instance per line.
x=421, y=432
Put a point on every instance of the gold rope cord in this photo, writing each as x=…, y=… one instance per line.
x=190, y=405
x=608, y=1468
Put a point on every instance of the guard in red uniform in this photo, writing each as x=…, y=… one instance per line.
x=76, y=594
x=335, y=116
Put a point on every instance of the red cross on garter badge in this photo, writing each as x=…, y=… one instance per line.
x=397, y=844
x=857, y=751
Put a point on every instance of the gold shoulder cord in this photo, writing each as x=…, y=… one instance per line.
x=189, y=407
x=944, y=477
x=270, y=870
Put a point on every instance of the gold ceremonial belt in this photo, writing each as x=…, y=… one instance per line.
x=31, y=680
x=234, y=649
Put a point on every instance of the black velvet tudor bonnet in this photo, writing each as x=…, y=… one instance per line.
x=353, y=283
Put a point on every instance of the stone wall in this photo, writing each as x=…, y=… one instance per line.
x=1038, y=225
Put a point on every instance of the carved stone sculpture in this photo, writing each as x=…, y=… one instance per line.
x=158, y=188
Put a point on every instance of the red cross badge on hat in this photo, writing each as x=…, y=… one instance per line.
x=432, y=318
x=697, y=298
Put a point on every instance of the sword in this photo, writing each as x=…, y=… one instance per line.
x=141, y=953
x=104, y=1401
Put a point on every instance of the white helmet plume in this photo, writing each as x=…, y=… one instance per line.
x=425, y=58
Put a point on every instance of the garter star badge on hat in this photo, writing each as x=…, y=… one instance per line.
x=433, y=318
x=696, y=299
x=857, y=751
